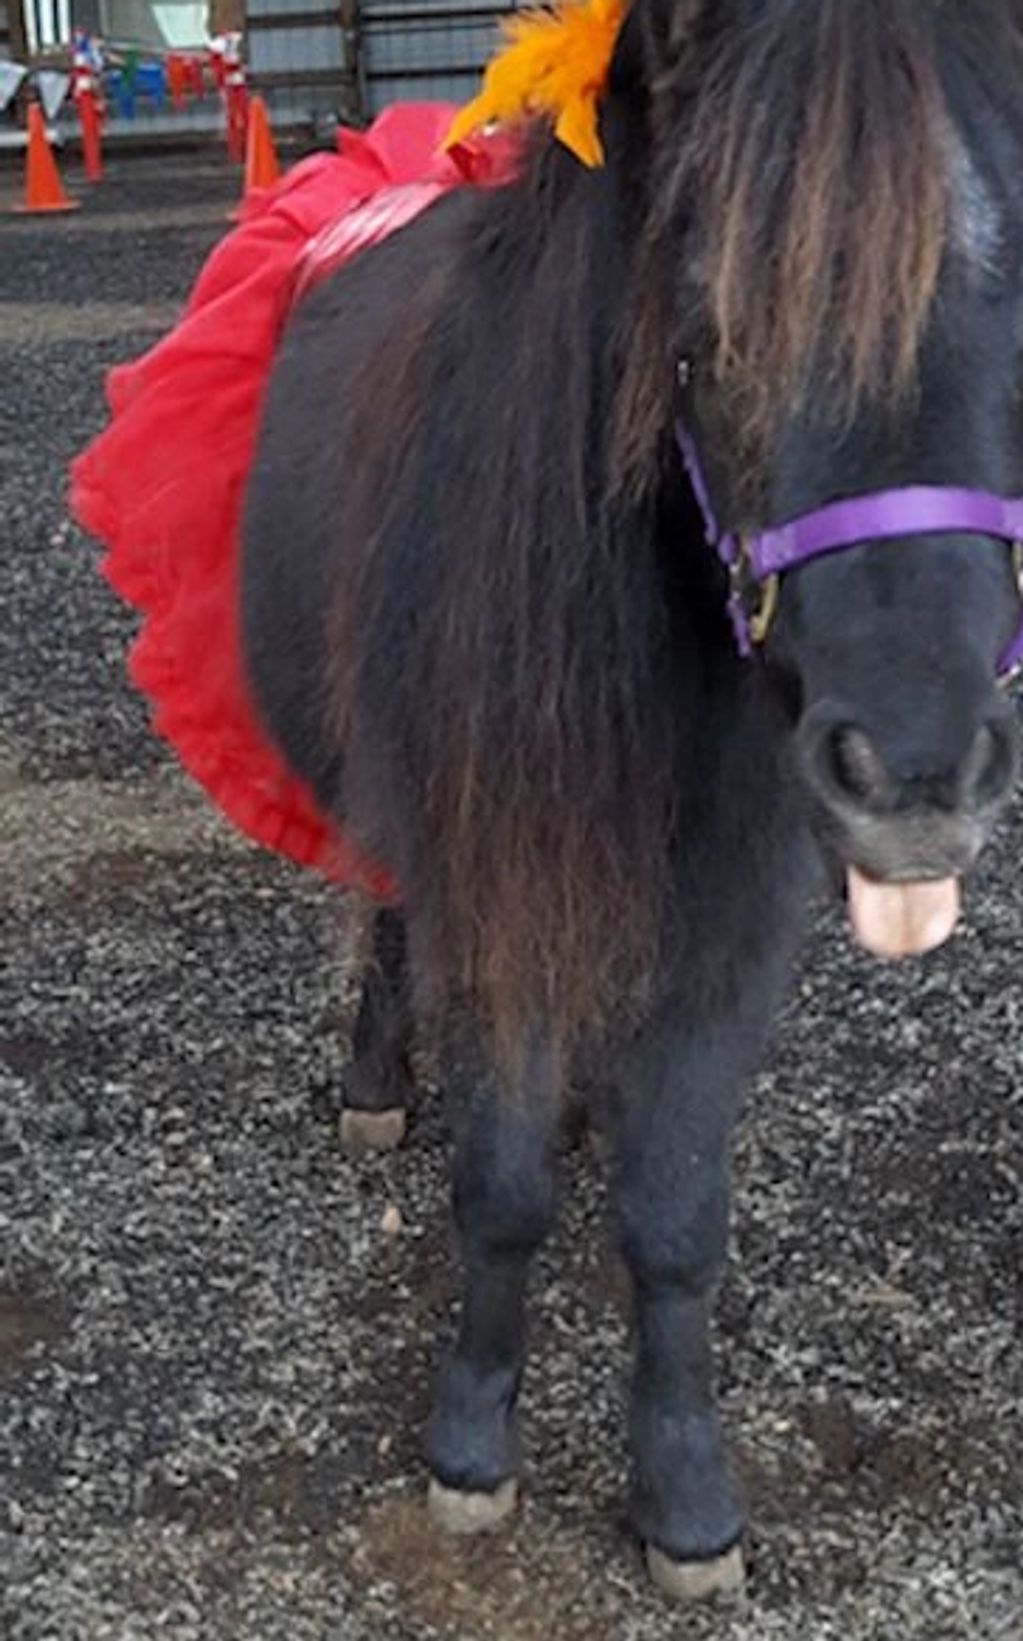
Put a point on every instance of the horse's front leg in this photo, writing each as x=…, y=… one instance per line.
x=678, y=1099
x=504, y=1198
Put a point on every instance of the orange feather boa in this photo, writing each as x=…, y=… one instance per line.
x=555, y=64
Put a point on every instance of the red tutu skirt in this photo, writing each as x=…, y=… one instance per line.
x=163, y=485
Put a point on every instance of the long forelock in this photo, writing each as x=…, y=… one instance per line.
x=815, y=147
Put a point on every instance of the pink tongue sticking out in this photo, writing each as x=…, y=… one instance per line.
x=902, y=919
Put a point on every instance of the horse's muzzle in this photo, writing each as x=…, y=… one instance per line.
x=908, y=824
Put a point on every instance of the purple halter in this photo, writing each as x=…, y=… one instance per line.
x=882, y=515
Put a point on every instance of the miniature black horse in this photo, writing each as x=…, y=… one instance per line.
x=485, y=620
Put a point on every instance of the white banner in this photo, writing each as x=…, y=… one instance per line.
x=53, y=88
x=11, y=76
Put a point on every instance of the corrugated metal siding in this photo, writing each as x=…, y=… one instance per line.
x=315, y=59
x=426, y=48
x=298, y=59
x=302, y=46
x=322, y=57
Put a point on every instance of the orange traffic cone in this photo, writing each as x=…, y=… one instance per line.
x=44, y=190
x=261, y=167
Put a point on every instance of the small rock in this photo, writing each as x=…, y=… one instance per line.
x=390, y=1220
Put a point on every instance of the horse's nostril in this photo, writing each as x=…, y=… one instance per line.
x=852, y=774
x=990, y=767
x=852, y=766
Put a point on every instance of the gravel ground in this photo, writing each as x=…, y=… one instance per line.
x=214, y=1359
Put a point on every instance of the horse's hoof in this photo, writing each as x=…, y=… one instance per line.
x=362, y=1131
x=463, y=1513
x=697, y=1580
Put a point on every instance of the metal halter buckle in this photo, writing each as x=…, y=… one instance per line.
x=758, y=600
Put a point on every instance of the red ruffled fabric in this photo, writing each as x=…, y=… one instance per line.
x=162, y=486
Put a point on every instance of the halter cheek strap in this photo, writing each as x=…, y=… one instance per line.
x=756, y=561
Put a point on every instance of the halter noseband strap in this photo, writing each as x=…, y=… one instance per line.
x=882, y=515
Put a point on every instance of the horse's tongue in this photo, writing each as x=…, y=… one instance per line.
x=902, y=919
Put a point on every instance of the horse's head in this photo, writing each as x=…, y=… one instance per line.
x=889, y=650
x=842, y=203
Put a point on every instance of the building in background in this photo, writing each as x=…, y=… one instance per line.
x=13, y=45
x=175, y=25
x=156, y=24
x=315, y=61
x=351, y=57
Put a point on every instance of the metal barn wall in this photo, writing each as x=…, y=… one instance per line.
x=303, y=56
x=321, y=59
x=316, y=58
x=426, y=48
